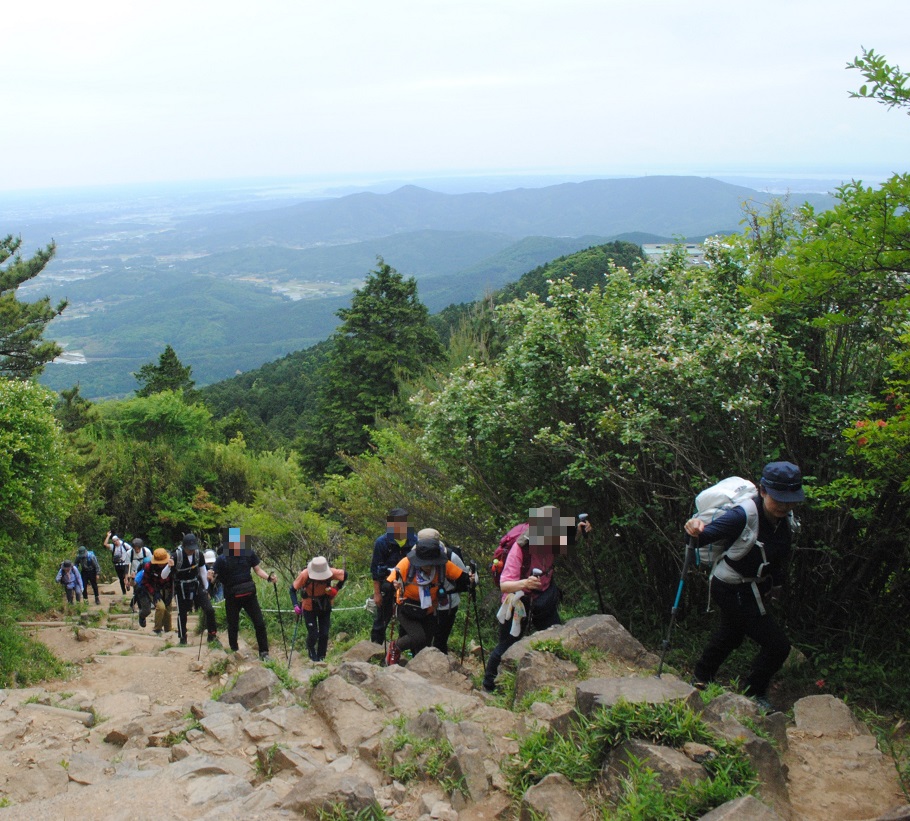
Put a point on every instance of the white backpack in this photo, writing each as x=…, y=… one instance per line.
x=711, y=504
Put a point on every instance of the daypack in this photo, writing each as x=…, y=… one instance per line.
x=88, y=561
x=505, y=545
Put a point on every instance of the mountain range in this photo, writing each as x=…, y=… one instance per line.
x=232, y=289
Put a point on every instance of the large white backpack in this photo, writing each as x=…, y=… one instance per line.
x=712, y=503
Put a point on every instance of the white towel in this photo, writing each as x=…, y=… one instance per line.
x=512, y=608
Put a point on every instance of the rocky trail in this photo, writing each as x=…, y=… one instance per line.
x=135, y=734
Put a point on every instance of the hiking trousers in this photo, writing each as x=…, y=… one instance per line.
x=90, y=580
x=541, y=622
x=232, y=607
x=72, y=593
x=415, y=634
x=317, y=633
x=199, y=601
x=739, y=618
x=121, y=570
x=445, y=621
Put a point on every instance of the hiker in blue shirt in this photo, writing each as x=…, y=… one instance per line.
x=389, y=549
x=69, y=577
x=87, y=564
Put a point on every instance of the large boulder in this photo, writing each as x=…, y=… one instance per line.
x=747, y=808
x=555, y=799
x=671, y=766
x=326, y=789
x=347, y=710
x=595, y=693
x=253, y=688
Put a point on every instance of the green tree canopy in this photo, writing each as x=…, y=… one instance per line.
x=23, y=351
x=170, y=374
x=385, y=340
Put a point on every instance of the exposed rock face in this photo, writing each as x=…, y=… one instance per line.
x=256, y=753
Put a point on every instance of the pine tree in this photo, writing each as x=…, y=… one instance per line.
x=385, y=340
x=23, y=352
x=170, y=374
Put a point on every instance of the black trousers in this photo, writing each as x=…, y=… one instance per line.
x=739, y=618
x=196, y=599
x=90, y=580
x=317, y=624
x=541, y=621
x=415, y=633
x=445, y=621
x=382, y=618
x=121, y=570
x=232, y=607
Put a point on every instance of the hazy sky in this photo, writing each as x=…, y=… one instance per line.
x=100, y=92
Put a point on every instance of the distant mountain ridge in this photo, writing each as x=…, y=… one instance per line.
x=666, y=206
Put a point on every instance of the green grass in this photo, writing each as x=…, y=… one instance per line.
x=424, y=758
x=24, y=661
x=338, y=812
x=558, y=649
x=284, y=675
x=580, y=755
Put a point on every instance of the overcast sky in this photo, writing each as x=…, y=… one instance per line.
x=99, y=92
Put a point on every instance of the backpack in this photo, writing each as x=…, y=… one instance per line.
x=714, y=502
x=505, y=545
x=86, y=561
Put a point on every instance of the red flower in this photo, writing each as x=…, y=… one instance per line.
x=820, y=683
x=862, y=441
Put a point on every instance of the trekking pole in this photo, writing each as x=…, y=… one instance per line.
x=483, y=658
x=583, y=517
x=464, y=638
x=284, y=640
x=199, y=654
x=293, y=641
x=665, y=644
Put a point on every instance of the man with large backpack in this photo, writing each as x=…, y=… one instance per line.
x=389, y=549
x=154, y=589
x=87, y=562
x=757, y=537
x=530, y=596
x=191, y=585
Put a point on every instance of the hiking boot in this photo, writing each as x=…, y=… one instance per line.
x=142, y=621
x=698, y=684
x=213, y=639
x=489, y=686
x=764, y=704
x=97, y=600
x=264, y=657
x=393, y=656
x=158, y=632
x=183, y=642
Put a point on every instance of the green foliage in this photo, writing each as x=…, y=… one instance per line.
x=384, y=341
x=558, y=649
x=581, y=754
x=37, y=490
x=23, y=661
x=284, y=675
x=339, y=812
x=170, y=374
x=885, y=83
x=23, y=353
x=422, y=757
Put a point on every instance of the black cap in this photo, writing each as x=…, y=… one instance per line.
x=397, y=514
x=427, y=551
x=190, y=541
x=783, y=482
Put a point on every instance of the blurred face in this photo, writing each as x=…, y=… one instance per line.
x=399, y=530
x=775, y=509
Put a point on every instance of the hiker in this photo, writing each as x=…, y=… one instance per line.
x=120, y=553
x=154, y=589
x=139, y=555
x=87, y=564
x=417, y=579
x=530, y=596
x=389, y=549
x=317, y=594
x=191, y=585
x=741, y=585
x=448, y=598
x=234, y=569
x=68, y=576
x=216, y=589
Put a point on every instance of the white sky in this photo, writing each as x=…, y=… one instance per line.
x=99, y=92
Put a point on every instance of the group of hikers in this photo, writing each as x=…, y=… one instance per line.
x=418, y=581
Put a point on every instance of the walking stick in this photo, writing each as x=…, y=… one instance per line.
x=199, y=654
x=293, y=642
x=284, y=640
x=483, y=658
x=583, y=517
x=665, y=644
